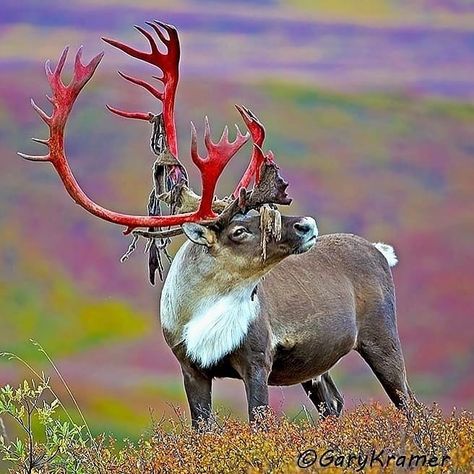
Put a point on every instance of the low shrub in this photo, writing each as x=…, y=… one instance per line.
x=371, y=438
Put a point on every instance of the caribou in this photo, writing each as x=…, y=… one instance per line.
x=252, y=294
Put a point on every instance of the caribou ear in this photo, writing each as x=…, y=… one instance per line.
x=199, y=234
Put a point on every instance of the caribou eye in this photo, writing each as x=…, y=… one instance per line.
x=239, y=232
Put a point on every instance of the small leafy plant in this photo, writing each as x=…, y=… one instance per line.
x=47, y=441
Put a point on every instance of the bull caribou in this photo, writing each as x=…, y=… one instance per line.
x=252, y=294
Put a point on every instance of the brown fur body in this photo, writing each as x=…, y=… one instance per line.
x=315, y=308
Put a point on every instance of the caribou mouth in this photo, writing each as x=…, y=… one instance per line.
x=305, y=246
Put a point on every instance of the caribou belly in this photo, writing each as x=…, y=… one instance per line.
x=308, y=358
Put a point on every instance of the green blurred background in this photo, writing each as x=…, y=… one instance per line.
x=369, y=109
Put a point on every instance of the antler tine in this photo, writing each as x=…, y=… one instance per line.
x=207, y=134
x=170, y=29
x=135, y=53
x=83, y=72
x=194, y=146
x=154, y=48
x=257, y=130
x=159, y=33
x=54, y=78
x=134, y=115
x=41, y=140
x=34, y=157
x=139, y=82
x=44, y=116
x=225, y=134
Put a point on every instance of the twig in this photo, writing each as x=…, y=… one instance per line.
x=66, y=386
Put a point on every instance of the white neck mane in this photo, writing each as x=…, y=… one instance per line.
x=217, y=323
x=219, y=326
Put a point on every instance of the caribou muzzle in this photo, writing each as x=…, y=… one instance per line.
x=305, y=232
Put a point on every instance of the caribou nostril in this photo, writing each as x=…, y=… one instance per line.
x=306, y=227
x=302, y=227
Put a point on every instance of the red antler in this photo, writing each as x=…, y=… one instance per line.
x=257, y=131
x=63, y=99
x=169, y=64
x=211, y=167
x=270, y=187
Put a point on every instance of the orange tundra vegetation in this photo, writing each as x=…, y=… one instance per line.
x=372, y=438
x=281, y=445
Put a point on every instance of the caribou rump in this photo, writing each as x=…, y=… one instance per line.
x=252, y=294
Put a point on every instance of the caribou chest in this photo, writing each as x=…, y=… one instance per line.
x=218, y=326
x=210, y=326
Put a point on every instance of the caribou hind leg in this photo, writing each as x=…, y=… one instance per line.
x=379, y=345
x=324, y=394
x=388, y=365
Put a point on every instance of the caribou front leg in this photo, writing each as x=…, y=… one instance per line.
x=198, y=389
x=253, y=363
x=256, y=387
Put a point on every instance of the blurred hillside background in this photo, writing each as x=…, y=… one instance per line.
x=369, y=108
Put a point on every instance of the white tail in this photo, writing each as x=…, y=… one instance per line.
x=388, y=252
